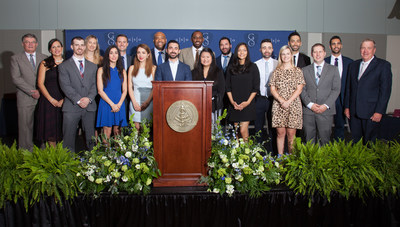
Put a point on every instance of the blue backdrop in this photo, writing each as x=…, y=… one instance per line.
x=211, y=38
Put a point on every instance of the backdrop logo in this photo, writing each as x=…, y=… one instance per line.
x=206, y=39
x=110, y=38
x=182, y=40
x=251, y=41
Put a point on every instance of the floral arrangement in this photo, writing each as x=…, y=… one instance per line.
x=240, y=166
x=125, y=163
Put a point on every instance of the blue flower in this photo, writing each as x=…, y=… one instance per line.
x=223, y=178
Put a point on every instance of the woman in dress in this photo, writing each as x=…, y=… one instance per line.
x=140, y=88
x=207, y=70
x=49, y=114
x=92, y=51
x=242, y=85
x=286, y=84
x=111, y=86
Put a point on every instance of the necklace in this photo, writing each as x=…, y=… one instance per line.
x=58, y=61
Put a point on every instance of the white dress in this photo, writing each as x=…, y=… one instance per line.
x=141, y=90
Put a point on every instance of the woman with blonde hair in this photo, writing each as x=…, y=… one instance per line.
x=92, y=51
x=286, y=84
x=140, y=88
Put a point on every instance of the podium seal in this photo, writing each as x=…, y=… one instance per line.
x=182, y=116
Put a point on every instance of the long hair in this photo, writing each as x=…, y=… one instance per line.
x=96, y=55
x=50, y=62
x=198, y=71
x=106, y=65
x=280, y=59
x=148, y=64
x=235, y=67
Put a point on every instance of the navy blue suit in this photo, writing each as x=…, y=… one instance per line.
x=219, y=64
x=164, y=73
x=339, y=117
x=367, y=96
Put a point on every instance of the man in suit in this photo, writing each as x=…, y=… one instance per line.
x=173, y=69
x=223, y=60
x=266, y=65
x=158, y=52
x=191, y=55
x=24, y=68
x=78, y=82
x=300, y=60
x=122, y=43
x=368, y=88
x=319, y=96
x=342, y=62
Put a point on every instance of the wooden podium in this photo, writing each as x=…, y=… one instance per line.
x=182, y=145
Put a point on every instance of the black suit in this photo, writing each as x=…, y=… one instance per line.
x=367, y=96
x=154, y=57
x=303, y=60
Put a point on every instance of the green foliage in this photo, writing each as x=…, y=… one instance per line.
x=124, y=163
x=51, y=172
x=237, y=165
x=388, y=165
x=12, y=184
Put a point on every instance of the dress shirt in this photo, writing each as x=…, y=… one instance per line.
x=156, y=55
x=76, y=60
x=340, y=63
x=194, y=52
x=263, y=78
x=309, y=105
x=174, y=68
x=365, y=66
x=229, y=58
x=29, y=57
x=297, y=58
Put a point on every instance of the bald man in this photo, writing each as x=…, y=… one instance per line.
x=158, y=52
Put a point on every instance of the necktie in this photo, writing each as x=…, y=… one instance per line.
x=225, y=63
x=123, y=62
x=159, y=59
x=362, y=69
x=318, y=76
x=336, y=62
x=266, y=77
x=32, y=61
x=81, y=67
x=197, y=57
x=294, y=60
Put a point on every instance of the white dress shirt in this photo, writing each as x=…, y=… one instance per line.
x=309, y=105
x=174, y=68
x=194, y=52
x=264, y=91
x=156, y=55
x=228, y=59
x=340, y=63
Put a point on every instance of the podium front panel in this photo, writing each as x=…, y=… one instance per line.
x=181, y=156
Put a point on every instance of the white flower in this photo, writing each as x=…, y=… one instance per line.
x=277, y=164
x=211, y=164
x=78, y=174
x=103, y=157
x=134, y=147
x=125, y=179
x=216, y=190
x=91, y=178
x=235, y=165
x=225, y=142
x=128, y=154
x=230, y=189
x=254, y=159
x=137, y=166
x=108, y=178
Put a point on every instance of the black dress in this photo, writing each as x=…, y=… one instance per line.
x=218, y=89
x=48, y=117
x=241, y=86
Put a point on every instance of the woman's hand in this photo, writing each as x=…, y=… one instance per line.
x=114, y=108
x=285, y=104
x=144, y=106
x=136, y=106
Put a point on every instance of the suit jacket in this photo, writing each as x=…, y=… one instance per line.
x=154, y=57
x=371, y=93
x=326, y=92
x=186, y=56
x=24, y=77
x=219, y=64
x=274, y=65
x=303, y=60
x=346, y=62
x=164, y=73
x=75, y=88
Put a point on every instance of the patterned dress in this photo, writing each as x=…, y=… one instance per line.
x=286, y=82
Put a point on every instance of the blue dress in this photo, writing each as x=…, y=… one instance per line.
x=113, y=90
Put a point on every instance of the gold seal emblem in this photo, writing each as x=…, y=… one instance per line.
x=182, y=116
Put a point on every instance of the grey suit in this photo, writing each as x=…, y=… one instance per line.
x=24, y=77
x=75, y=88
x=186, y=56
x=319, y=126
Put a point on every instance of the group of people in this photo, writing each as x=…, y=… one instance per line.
x=289, y=93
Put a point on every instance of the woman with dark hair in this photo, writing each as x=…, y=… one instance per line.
x=49, y=114
x=140, y=88
x=207, y=70
x=242, y=85
x=111, y=86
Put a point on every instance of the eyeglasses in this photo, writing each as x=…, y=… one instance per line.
x=27, y=42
